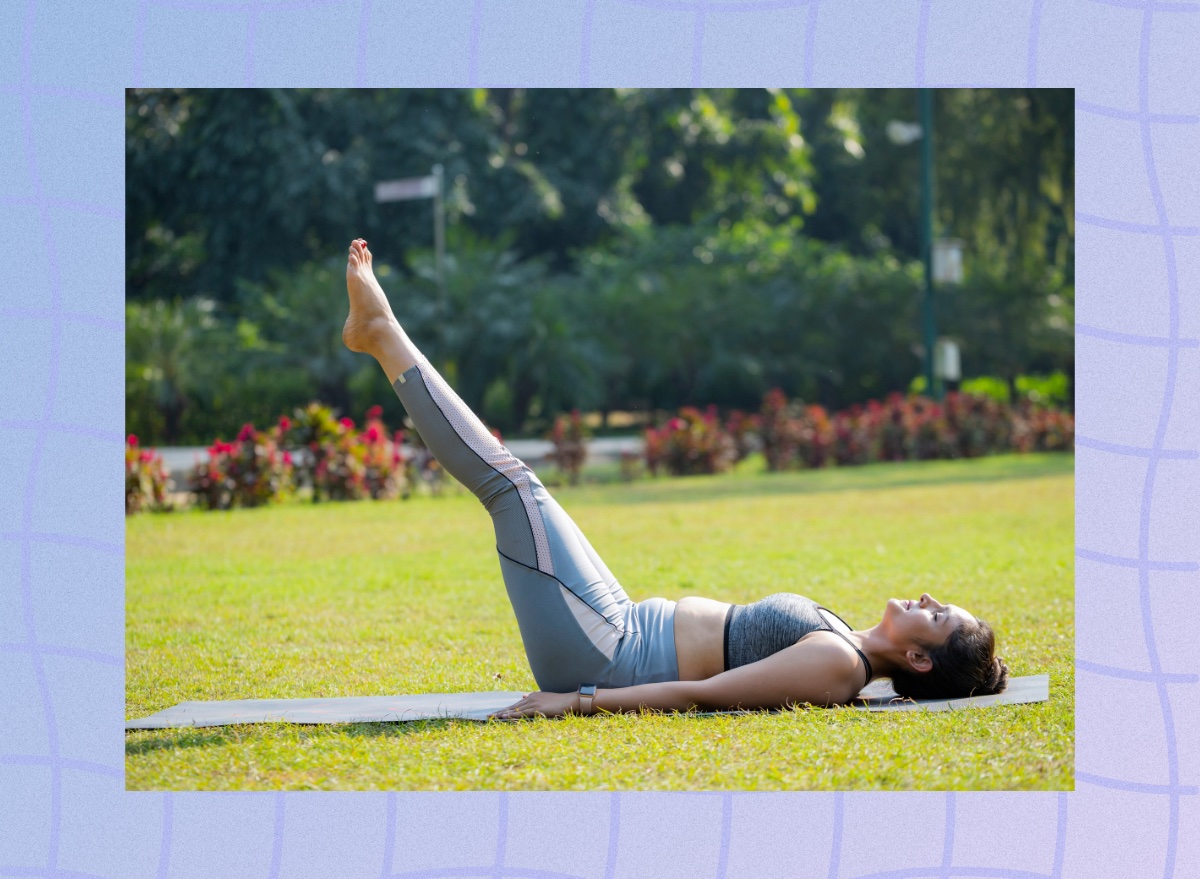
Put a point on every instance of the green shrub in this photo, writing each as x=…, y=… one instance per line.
x=1045, y=390
x=569, y=436
x=987, y=386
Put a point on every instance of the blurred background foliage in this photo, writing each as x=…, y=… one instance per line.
x=607, y=250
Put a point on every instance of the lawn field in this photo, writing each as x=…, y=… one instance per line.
x=376, y=598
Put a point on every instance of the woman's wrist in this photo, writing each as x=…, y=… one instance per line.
x=585, y=699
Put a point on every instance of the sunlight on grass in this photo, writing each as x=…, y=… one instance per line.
x=370, y=599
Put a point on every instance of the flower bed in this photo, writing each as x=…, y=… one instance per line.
x=147, y=482
x=312, y=448
x=337, y=461
x=692, y=442
x=793, y=435
x=907, y=428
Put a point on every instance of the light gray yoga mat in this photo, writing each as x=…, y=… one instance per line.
x=877, y=696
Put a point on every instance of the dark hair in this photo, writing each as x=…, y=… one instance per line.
x=963, y=666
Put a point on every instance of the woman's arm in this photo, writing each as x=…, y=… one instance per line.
x=817, y=670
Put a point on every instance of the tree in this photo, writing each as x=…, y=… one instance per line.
x=173, y=353
x=299, y=317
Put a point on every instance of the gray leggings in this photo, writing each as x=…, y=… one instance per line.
x=577, y=624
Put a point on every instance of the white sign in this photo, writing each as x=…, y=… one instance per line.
x=948, y=261
x=902, y=133
x=407, y=189
x=945, y=360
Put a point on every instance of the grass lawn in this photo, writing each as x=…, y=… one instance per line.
x=367, y=599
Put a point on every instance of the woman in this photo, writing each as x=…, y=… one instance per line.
x=593, y=649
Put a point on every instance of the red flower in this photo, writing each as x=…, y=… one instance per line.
x=132, y=439
x=287, y=459
x=284, y=422
x=372, y=434
x=246, y=433
x=374, y=412
x=347, y=423
x=676, y=424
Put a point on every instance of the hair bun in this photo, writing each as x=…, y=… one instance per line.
x=997, y=678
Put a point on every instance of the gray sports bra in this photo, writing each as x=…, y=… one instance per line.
x=755, y=631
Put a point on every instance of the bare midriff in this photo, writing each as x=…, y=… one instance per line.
x=700, y=637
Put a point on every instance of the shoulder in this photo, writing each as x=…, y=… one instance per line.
x=839, y=659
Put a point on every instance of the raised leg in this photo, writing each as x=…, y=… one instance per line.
x=571, y=611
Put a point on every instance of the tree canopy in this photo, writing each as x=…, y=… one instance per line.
x=617, y=248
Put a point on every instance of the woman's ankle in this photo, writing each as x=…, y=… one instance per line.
x=393, y=349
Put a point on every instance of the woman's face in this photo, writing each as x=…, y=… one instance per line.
x=922, y=621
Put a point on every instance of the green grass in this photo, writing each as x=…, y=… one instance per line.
x=406, y=597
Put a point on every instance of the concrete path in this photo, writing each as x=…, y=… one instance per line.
x=534, y=452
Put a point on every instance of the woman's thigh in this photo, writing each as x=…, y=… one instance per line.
x=572, y=613
x=571, y=610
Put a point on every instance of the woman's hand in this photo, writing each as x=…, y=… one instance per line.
x=540, y=705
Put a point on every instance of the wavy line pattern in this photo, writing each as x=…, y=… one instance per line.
x=27, y=89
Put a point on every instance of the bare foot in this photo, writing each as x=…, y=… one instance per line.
x=370, y=314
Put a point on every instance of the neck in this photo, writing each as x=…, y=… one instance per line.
x=883, y=655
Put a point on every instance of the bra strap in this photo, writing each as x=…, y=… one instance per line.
x=866, y=661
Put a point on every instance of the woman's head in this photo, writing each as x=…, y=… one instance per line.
x=947, y=652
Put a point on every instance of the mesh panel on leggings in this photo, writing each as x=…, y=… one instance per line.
x=496, y=456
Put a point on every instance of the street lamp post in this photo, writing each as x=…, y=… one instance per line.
x=942, y=260
x=933, y=381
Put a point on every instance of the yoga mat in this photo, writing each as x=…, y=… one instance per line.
x=877, y=696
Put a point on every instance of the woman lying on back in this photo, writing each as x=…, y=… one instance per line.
x=591, y=648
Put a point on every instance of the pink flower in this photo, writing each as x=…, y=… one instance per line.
x=676, y=424
x=246, y=433
x=287, y=459
x=146, y=456
x=132, y=439
x=347, y=423
x=284, y=422
x=373, y=434
x=374, y=412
